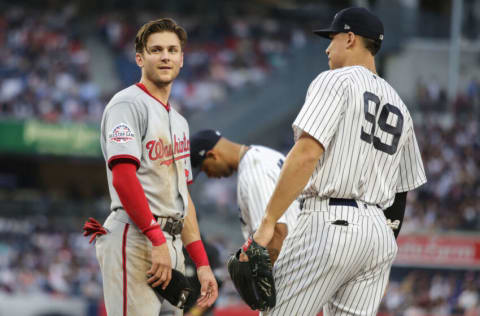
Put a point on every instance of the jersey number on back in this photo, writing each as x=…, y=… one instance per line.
x=394, y=130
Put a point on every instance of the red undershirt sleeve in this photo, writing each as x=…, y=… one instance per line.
x=134, y=201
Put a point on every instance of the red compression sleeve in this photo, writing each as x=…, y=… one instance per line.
x=197, y=252
x=134, y=201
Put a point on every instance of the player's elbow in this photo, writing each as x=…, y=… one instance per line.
x=281, y=231
x=309, y=149
x=122, y=175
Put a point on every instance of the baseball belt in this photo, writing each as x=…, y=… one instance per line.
x=169, y=225
x=334, y=201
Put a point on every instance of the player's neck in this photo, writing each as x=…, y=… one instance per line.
x=364, y=61
x=160, y=92
x=235, y=153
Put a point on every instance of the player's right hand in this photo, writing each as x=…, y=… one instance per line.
x=161, y=271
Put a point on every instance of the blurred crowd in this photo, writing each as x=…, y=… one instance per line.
x=38, y=255
x=451, y=198
x=450, y=146
x=45, y=66
x=221, y=56
x=429, y=292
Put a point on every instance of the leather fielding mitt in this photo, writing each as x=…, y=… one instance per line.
x=253, y=279
x=178, y=292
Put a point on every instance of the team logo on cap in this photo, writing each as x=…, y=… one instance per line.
x=121, y=134
x=346, y=27
x=381, y=37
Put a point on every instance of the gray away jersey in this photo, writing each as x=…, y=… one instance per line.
x=258, y=172
x=137, y=126
x=371, y=151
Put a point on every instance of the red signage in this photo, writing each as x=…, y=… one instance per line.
x=445, y=251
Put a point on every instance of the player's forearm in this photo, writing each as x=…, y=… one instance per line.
x=275, y=245
x=191, y=237
x=190, y=232
x=296, y=172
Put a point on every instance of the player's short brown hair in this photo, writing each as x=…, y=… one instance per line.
x=157, y=26
x=371, y=45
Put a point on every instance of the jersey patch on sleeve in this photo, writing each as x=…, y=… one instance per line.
x=121, y=134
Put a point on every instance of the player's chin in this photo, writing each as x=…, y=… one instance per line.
x=164, y=80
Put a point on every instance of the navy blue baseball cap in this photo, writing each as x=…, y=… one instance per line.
x=358, y=20
x=200, y=143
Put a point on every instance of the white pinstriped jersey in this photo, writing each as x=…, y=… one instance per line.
x=258, y=172
x=371, y=151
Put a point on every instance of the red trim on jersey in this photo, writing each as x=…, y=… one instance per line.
x=189, y=182
x=134, y=201
x=124, y=264
x=142, y=86
x=130, y=157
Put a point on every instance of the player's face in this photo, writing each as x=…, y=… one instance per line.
x=216, y=167
x=337, y=50
x=162, y=58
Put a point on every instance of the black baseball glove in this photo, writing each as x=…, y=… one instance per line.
x=178, y=291
x=253, y=279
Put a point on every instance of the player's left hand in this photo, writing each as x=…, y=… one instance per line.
x=209, y=290
x=264, y=233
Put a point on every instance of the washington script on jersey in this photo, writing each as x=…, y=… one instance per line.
x=158, y=150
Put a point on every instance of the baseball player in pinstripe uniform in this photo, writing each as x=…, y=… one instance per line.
x=355, y=155
x=258, y=169
x=146, y=147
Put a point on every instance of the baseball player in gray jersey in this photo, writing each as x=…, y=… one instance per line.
x=355, y=155
x=146, y=147
x=258, y=169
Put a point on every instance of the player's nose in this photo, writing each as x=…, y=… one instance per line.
x=327, y=50
x=164, y=56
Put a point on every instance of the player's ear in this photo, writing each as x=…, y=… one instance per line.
x=351, y=38
x=211, y=154
x=139, y=59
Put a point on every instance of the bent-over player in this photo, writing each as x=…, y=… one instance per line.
x=355, y=151
x=146, y=147
x=258, y=169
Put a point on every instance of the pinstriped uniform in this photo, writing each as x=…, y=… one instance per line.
x=258, y=172
x=340, y=254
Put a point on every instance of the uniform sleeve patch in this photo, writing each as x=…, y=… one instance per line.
x=121, y=134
